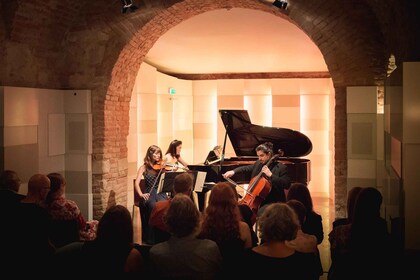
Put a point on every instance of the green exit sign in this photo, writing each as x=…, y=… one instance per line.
x=172, y=91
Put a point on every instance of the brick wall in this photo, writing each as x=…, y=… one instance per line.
x=90, y=44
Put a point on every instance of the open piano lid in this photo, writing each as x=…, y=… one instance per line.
x=245, y=136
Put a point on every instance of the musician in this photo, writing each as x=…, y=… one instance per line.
x=150, y=170
x=276, y=174
x=173, y=154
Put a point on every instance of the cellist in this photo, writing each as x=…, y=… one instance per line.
x=275, y=174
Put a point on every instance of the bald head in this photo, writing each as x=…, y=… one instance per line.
x=39, y=186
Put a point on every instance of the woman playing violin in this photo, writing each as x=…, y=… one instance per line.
x=275, y=174
x=150, y=171
x=173, y=155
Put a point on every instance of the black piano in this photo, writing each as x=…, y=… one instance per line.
x=245, y=137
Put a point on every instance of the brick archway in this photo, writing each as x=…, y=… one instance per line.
x=362, y=63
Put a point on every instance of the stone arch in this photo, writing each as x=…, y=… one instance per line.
x=352, y=59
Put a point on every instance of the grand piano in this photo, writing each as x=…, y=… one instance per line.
x=245, y=137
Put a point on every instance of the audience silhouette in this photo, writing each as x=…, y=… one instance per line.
x=184, y=256
x=362, y=248
x=183, y=183
x=222, y=223
x=313, y=221
x=278, y=224
x=68, y=223
x=111, y=253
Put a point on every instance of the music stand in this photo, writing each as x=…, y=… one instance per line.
x=198, y=180
x=213, y=156
x=166, y=182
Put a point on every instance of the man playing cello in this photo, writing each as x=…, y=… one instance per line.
x=265, y=171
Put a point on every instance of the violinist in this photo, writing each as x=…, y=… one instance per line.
x=173, y=156
x=150, y=171
x=275, y=174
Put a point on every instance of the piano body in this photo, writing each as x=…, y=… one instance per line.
x=245, y=137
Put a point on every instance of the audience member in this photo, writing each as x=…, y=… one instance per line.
x=68, y=223
x=335, y=254
x=278, y=224
x=351, y=200
x=111, y=253
x=184, y=256
x=183, y=183
x=313, y=221
x=28, y=244
x=247, y=216
x=362, y=248
x=222, y=223
x=305, y=243
x=9, y=188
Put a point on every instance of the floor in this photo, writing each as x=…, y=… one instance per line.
x=322, y=206
x=325, y=207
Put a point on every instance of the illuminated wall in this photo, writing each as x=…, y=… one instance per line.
x=191, y=115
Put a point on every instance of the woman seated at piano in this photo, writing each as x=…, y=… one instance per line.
x=269, y=169
x=173, y=156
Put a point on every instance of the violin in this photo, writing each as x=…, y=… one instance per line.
x=167, y=166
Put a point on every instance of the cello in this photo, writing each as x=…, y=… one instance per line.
x=258, y=189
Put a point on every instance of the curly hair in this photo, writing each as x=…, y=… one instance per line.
x=266, y=148
x=222, y=215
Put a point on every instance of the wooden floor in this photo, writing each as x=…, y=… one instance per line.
x=322, y=206
x=325, y=208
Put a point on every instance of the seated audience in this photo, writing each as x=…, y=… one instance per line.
x=362, y=249
x=183, y=183
x=351, y=200
x=278, y=224
x=28, y=244
x=222, y=223
x=111, y=253
x=313, y=221
x=247, y=216
x=184, y=256
x=68, y=223
x=305, y=243
x=9, y=188
x=335, y=254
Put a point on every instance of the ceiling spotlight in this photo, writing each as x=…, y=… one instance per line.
x=282, y=4
x=128, y=6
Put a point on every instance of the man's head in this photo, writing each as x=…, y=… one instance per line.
x=183, y=183
x=38, y=187
x=264, y=152
x=9, y=180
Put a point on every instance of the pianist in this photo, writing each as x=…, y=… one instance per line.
x=275, y=173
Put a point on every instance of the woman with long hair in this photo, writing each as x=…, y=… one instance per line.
x=150, y=171
x=222, y=223
x=173, y=155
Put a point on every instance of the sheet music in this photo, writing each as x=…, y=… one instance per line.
x=161, y=182
x=199, y=182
